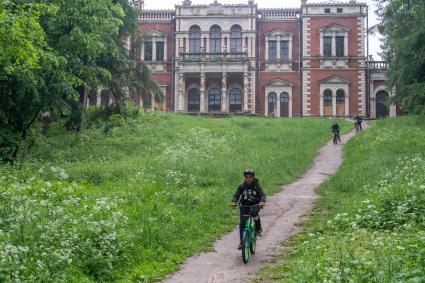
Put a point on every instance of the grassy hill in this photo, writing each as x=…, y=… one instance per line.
x=132, y=204
x=369, y=225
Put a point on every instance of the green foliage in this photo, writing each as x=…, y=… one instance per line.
x=369, y=225
x=403, y=25
x=171, y=176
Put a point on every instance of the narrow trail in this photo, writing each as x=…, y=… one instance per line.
x=279, y=219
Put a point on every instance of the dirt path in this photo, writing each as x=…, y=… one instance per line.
x=279, y=218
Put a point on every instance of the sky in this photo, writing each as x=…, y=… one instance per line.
x=374, y=42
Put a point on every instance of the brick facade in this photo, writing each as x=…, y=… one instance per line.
x=309, y=61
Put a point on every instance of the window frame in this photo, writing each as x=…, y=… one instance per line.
x=327, y=52
x=195, y=39
x=148, y=51
x=236, y=39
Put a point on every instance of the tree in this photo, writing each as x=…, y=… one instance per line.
x=402, y=22
x=28, y=72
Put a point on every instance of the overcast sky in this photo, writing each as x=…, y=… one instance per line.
x=374, y=43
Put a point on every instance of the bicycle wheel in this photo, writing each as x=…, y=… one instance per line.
x=253, y=243
x=245, y=247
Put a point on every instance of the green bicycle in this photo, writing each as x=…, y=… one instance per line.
x=249, y=237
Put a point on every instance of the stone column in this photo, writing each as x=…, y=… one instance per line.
x=266, y=51
x=245, y=91
x=372, y=101
x=321, y=44
x=334, y=103
x=393, y=107
x=266, y=104
x=152, y=102
x=224, y=93
x=333, y=45
x=346, y=45
x=165, y=49
x=164, y=100
x=277, y=105
x=290, y=48
x=182, y=102
x=290, y=106
x=321, y=103
x=278, y=48
x=153, y=49
x=99, y=97
x=202, y=92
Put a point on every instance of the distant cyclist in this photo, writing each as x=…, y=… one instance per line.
x=335, y=129
x=358, y=123
x=249, y=193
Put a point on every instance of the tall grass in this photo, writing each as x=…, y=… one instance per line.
x=369, y=225
x=134, y=203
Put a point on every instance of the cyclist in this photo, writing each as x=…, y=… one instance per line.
x=335, y=129
x=358, y=123
x=249, y=193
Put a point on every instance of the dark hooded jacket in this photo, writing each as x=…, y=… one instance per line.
x=249, y=194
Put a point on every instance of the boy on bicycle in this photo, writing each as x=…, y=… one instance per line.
x=335, y=129
x=358, y=122
x=249, y=193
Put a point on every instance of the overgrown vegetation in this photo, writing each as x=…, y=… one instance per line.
x=132, y=204
x=369, y=225
x=50, y=51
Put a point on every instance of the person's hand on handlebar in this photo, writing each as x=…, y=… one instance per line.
x=262, y=204
x=233, y=204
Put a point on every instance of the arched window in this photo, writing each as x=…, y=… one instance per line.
x=235, y=39
x=235, y=99
x=382, y=109
x=215, y=39
x=327, y=102
x=284, y=104
x=193, y=100
x=214, y=100
x=195, y=39
x=340, y=96
x=272, y=102
x=284, y=97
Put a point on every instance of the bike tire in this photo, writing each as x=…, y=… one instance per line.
x=253, y=245
x=245, y=247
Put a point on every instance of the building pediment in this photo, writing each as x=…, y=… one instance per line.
x=278, y=31
x=154, y=33
x=334, y=80
x=334, y=28
x=279, y=83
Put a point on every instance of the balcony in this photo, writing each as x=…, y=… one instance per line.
x=378, y=65
x=238, y=57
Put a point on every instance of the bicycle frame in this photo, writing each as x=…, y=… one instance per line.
x=249, y=237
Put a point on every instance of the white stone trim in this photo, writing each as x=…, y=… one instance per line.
x=334, y=87
x=306, y=93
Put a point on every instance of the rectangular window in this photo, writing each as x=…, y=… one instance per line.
x=327, y=10
x=284, y=50
x=195, y=45
x=339, y=41
x=148, y=51
x=272, y=49
x=339, y=10
x=327, y=46
x=160, y=51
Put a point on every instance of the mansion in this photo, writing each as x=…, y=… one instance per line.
x=284, y=62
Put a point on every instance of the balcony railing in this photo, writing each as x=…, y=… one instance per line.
x=215, y=57
x=378, y=65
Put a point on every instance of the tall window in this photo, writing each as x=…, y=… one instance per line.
x=214, y=99
x=159, y=51
x=327, y=46
x=195, y=39
x=339, y=44
x=236, y=39
x=284, y=50
x=194, y=100
x=327, y=97
x=272, y=49
x=148, y=51
x=215, y=39
x=235, y=99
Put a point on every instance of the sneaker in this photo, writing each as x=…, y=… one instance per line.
x=240, y=247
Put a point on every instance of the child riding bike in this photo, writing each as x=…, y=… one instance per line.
x=335, y=129
x=358, y=123
x=249, y=193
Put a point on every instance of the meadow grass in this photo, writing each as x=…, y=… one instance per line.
x=131, y=205
x=369, y=224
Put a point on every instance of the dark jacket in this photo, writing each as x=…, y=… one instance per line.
x=335, y=127
x=249, y=194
